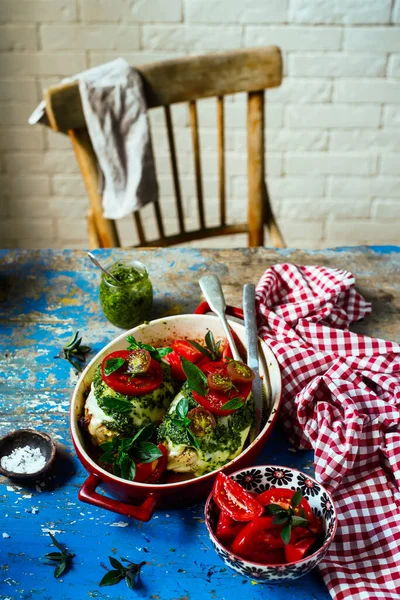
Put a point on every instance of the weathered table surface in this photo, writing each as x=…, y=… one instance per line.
x=44, y=296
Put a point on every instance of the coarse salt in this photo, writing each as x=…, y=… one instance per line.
x=24, y=460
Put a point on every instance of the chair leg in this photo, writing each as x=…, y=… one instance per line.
x=94, y=239
x=269, y=220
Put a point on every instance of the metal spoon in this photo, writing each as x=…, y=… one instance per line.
x=212, y=290
x=96, y=262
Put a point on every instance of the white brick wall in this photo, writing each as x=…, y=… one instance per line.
x=333, y=127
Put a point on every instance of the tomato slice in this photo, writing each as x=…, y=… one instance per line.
x=301, y=541
x=174, y=361
x=201, y=421
x=231, y=498
x=258, y=537
x=283, y=497
x=185, y=349
x=214, y=400
x=227, y=528
x=121, y=380
x=151, y=472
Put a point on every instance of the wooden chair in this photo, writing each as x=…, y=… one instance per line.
x=185, y=80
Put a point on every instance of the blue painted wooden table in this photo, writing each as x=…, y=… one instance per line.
x=44, y=296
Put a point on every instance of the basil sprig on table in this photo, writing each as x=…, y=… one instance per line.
x=156, y=353
x=182, y=421
x=287, y=516
x=74, y=352
x=212, y=350
x=122, y=453
x=131, y=573
x=63, y=558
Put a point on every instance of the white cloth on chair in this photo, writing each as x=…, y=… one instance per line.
x=115, y=112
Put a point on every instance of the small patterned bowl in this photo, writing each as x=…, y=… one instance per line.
x=259, y=479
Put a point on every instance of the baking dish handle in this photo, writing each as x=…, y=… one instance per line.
x=232, y=311
x=88, y=494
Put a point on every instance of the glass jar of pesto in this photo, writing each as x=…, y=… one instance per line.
x=129, y=303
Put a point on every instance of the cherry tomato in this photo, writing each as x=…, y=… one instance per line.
x=177, y=371
x=283, y=497
x=185, y=349
x=122, y=381
x=301, y=541
x=139, y=361
x=214, y=401
x=227, y=528
x=231, y=498
x=256, y=538
x=239, y=372
x=152, y=471
x=201, y=420
x=219, y=382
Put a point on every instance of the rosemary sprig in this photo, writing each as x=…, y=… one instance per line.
x=131, y=573
x=63, y=558
x=75, y=353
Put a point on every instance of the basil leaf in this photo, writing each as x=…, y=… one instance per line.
x=196, y=379
x=232, y=404
x=125, y=444
x=159, y=353
x=302, y=512
x=111, y=578
x=115, y=563
x=113, y=364
x=57, y=556
x=116, y=404
x=57, y=545
x=192, y=439
x=59, y=570
x=201, y=349
x=182, y=408
x=186, y=422
x=107, y=446
x=297, y=521
x=146, y=452
x=128, y=469
x=280, y=518
x=107, y=458
x=273, y=509
x=285, y=534
x=296, y=498
x=144, y=434
x=177, y=422
x=211, y=345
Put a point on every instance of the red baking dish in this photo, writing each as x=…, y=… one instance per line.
x=139, y=500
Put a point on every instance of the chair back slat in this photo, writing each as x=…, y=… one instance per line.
x=221, y=158
x=174, y=167
x=197, y=161
x=157, y=211
x=255, y=166
x=139, y=227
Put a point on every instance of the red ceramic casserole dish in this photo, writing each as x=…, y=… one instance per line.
x=139, y=500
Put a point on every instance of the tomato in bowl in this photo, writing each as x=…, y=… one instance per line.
x=270, y=534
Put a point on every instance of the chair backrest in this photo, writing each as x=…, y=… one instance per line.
x=185, y=80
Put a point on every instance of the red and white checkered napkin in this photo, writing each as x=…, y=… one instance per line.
x=341, y=397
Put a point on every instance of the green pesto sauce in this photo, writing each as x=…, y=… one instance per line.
x=225, y=436
x=129, y=423
x=128, y=304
